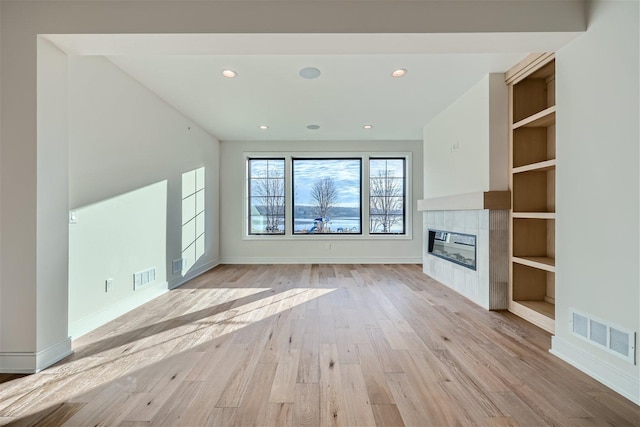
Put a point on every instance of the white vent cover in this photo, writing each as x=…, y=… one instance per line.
x=144, y=278
x=606, y=336
x=178, y=265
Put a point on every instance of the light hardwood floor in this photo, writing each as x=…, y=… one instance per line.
x=349, y=345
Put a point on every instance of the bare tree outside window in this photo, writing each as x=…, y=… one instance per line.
x=267, y=196
x=270, y=201
x=325, y=194
x=386, y=196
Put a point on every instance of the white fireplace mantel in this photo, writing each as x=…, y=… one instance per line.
x=494, y=200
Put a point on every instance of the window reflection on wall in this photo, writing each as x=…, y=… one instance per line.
x=193, y=217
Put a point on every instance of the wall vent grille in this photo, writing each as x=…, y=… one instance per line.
x=144, y=278
x=178, y=265
x=608, y=337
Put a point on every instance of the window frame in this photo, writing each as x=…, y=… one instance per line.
x=364, y=195
x=404, y=194
x=293, y=185
x=248, y=215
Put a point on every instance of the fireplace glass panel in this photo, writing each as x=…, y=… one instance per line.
x=458, y=248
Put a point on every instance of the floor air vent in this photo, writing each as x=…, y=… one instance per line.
x=610, y=338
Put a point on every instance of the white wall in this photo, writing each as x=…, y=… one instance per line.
x=128, y=151
x=597, y=226
x=52, y=196
x=309, y=249
x=465, y=146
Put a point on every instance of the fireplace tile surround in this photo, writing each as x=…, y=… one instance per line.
x=488, y=285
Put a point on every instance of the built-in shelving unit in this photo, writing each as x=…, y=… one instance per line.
x=532, y=145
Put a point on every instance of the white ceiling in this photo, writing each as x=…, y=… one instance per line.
x=355, y=88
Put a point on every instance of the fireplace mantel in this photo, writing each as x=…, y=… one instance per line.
x=494, y=200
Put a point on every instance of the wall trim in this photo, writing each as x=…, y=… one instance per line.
x=607, y=374
x=318, y=260
x=148, y=293
x=34, y=362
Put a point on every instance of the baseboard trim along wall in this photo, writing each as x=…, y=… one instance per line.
x=317, y=260
x=34, y=362
x=93, y=321
x=191, y=274
x=609, y=375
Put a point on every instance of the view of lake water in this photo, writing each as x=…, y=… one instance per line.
x=336, y=225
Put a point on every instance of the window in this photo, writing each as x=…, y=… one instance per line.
x=326, y=196
x=387, y=196
x=290, y=195
x=266, y=196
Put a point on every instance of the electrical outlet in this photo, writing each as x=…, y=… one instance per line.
x=108, y=285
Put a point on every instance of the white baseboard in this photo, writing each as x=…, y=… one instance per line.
x=195, y=272
x=609, y=375
x=33, y=362
x=316, y=260
x=144, y=295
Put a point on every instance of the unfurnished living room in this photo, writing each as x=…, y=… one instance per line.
x=352, y=213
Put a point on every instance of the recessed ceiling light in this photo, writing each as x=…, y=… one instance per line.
x=263, y=127
x=310, y=73
x=399, y=72
x=367, y=126
x=313, y=127
x=229, y=73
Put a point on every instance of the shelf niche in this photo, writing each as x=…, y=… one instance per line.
x=532, y=183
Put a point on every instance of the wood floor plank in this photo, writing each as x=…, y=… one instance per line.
x=254, y=407
x=393, y=334
x=202, y=407
x=331, y=390
x=330, y=345
x=357, y=408
x=501, y=422
x=220, y=417
x=512, y=406
x=386, y=355
x=98, y=411
x=175, y=371
x=284, y=383
x=173, y=412
x=409, y=404
x=429, y=391
x=307, y=404
x=280, y=414
x=347, y=350
x=375, y=382
x=387, y=415
x=309, y=363
x=240, y=377
x=53, y=416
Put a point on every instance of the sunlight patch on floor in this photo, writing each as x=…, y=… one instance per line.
x=100, y=362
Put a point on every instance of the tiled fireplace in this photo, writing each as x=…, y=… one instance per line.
x=487, y=285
